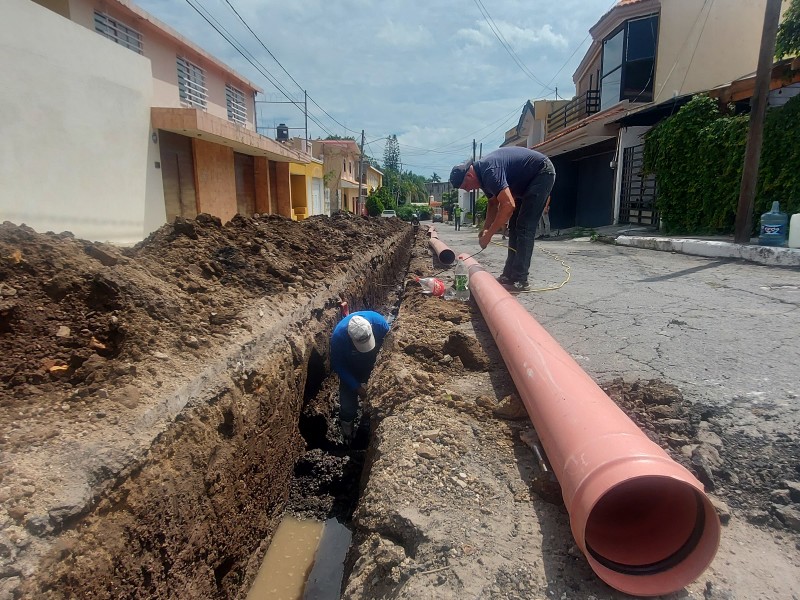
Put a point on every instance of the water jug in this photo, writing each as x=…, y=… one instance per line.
x=462, y=282
x=794, y=231
x=773, y=227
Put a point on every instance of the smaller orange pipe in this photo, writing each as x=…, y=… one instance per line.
x=642, y=520
x=442, y=252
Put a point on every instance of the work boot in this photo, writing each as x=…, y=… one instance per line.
x=347, y=431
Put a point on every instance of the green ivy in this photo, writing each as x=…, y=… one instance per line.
x=697, y=157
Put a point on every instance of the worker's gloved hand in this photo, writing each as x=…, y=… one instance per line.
x=362, y=392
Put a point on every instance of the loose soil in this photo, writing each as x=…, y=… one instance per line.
x=453, y=503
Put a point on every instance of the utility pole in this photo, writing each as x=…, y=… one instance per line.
x=755, y=133
x=305, y=106
x=361, y=175
x=473, y=192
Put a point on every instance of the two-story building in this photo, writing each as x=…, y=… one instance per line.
x=531, y=128
x=643, y=53
x=340, y=160
x=122, y=124
x=372, y=179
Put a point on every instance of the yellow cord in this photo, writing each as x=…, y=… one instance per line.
x=567, y=270
x=503, y=246
x=552, y=288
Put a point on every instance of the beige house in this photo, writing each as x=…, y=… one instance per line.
x=340, y=160
x=644, y=53
x=532, y=125
x=143, y=124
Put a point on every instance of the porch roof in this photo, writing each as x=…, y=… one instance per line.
x=193, y=122
x=587, y=132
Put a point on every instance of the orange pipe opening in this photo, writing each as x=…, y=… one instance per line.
x=642, y=520
x=440, y=249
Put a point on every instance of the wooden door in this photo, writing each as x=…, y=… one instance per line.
x=177, y=175
x=244, y=166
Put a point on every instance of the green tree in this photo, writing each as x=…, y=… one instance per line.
x=435, y=178
x=449, y=200
x=391, y=154
x=788, y=42
x=338, y=137
x=697, y=157
x=377, y=201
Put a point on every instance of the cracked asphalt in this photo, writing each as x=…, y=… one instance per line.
x=726, y=332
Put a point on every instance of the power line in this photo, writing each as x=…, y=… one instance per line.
x=682, y=46
x=228, y=37
x=503, y=42
x=263, y=45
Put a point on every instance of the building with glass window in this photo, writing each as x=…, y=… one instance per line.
x=644, y=53
x=141, y=124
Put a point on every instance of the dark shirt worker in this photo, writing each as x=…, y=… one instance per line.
x=517, y=182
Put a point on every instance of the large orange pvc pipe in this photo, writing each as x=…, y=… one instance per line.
x=642, y=520
x=443, y=253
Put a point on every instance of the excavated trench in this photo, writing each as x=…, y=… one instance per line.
x=256, y=440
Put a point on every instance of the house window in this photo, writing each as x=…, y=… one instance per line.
x=237, y=109
x=117, y=32
x=191, y=84
x=629, y=58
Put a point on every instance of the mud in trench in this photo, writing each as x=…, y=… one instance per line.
x=164, y=469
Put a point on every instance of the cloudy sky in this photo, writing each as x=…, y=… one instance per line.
x=436, y=74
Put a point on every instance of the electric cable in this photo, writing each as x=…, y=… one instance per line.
x=503, y=42
x=228, y=37
x=263, y=45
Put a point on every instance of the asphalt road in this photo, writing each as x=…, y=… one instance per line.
x=727, y=333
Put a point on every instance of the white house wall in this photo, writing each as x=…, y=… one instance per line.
x=628, y=138
x=76, y=112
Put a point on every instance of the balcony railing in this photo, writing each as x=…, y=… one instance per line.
x=573, y=111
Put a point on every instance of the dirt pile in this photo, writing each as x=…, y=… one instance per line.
x=149, y=396
x=455, y=503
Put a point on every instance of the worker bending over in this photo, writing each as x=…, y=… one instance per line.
x=355, y=343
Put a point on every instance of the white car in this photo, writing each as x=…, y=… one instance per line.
x=388, y=213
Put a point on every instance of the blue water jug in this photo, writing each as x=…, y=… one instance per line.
x=774, y=227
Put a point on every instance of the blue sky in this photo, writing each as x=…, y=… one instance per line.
x=433, y=73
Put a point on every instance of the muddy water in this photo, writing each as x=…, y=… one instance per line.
x=305, y=561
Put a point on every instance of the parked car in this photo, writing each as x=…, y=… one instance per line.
x=388, y=213
x=437, y=218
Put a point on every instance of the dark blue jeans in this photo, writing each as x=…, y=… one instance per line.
x=522, y=225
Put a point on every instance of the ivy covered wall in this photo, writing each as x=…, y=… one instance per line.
x=697, y=156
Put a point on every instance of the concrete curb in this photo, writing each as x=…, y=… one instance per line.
x=764, y=255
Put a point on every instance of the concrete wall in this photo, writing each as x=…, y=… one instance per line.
x=699, y=49
x=76, y=111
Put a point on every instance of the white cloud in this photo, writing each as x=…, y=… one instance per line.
x=404, y=36
x=474, y=36
x=431, y=72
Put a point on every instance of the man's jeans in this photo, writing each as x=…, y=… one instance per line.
x=348, y=403
x=523, y=223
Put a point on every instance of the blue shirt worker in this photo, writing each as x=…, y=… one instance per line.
x=517, y=182
x=355, y=343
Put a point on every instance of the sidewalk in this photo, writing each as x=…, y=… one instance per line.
x=708, y=246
